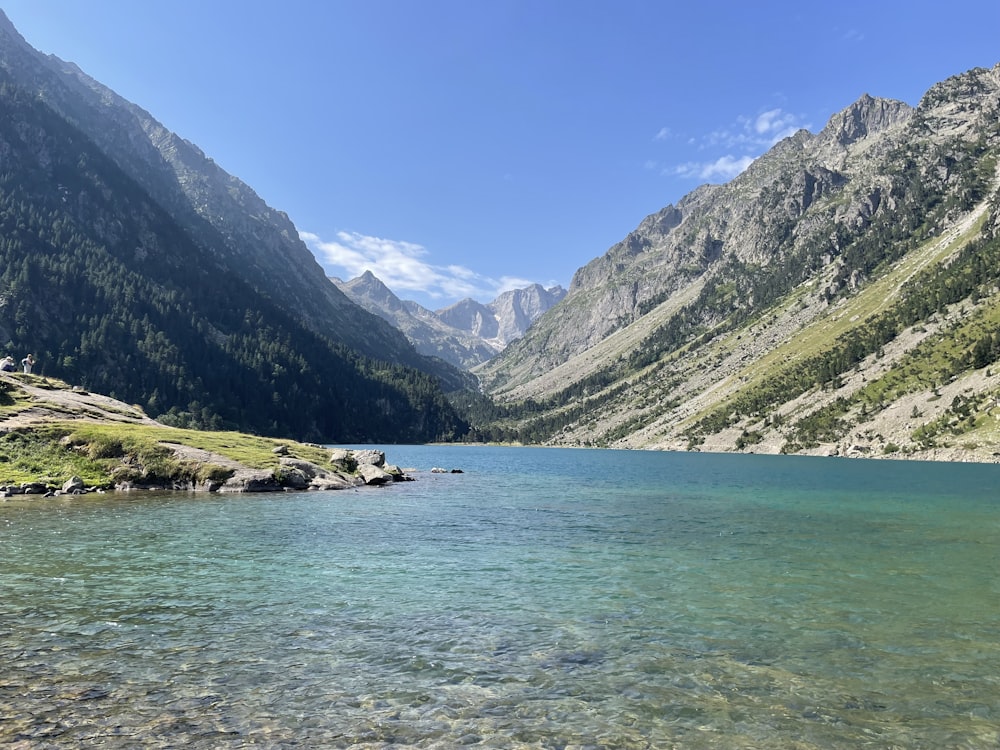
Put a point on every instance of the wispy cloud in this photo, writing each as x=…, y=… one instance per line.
x=773, y=125
x=404, y=267
x=722, y=169
x=757, y=132
x=744, y=141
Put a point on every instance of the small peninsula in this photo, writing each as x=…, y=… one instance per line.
x=56, y=438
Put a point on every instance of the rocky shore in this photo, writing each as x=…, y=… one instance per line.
x=346, y=469
x=47, y=426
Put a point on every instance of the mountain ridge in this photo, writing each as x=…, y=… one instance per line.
x=841, y=296
x=466, y=333
x=170, y=283
x=203, y=197
x=643, y=265
x=669, y=339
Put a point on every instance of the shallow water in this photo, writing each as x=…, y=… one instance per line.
x=542, y=598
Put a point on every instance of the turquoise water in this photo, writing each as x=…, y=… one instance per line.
x=541, y=599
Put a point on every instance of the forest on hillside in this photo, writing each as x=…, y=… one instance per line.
x=108, y=292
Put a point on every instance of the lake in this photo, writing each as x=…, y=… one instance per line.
x=543, y=598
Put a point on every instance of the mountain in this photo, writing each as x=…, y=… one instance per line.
x=235, y=226
x=135, y=266
x=517, y=309
x=465, y=334
x=839, y=296
x=506, y=318
x=474, y=317
x=425, y=330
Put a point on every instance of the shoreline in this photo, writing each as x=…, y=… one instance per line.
x=60, y=439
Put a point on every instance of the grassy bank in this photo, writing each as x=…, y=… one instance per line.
x=51, y=432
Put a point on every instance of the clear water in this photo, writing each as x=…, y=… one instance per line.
x=542, y=599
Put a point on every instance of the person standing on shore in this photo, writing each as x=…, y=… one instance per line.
x=28, y=362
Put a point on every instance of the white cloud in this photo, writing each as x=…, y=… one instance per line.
x=662, y=135
x=404, y=267
x=750, y=136
x=759, y=132
x=510, y=283
x=722, y=169
x=774, y=125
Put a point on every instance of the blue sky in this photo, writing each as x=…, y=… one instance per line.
x=458, y=148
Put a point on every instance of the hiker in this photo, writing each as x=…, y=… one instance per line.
x=7, y=364
x=28, y=362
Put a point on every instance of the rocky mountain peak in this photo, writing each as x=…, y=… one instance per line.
x=466, y=333
x=369, y=287
x=472, y=316
x=370, y=282
x=965, y=87
x=867, y=116
x=515, y=310
x=531, y=301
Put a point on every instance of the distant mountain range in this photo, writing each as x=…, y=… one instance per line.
x=465, y=334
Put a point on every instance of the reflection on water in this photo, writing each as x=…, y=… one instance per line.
x=541, y=599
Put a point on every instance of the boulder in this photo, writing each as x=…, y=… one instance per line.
x=298, y=474
x=209, y=485
x=251, y=480
x=307, y=468
x=293, y=478
x=73, y=485
x=372, y=474
x=397, y=474
x=343, y=460
x=370, y=457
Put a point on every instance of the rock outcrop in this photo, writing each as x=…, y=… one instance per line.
x=49, y=403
